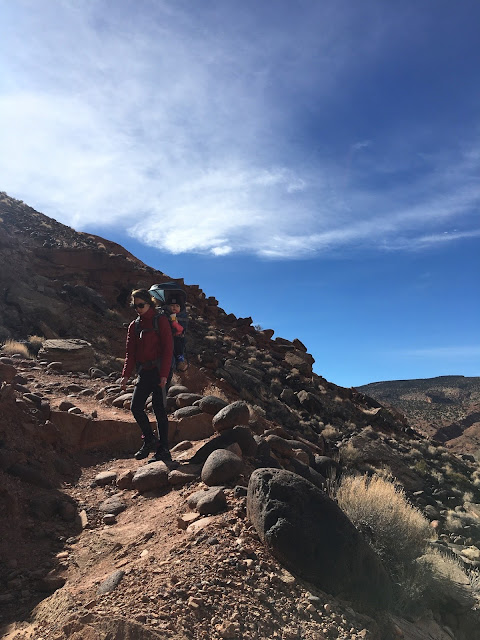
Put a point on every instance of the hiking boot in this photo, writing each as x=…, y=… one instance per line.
x=162, y=454
x=147, y=447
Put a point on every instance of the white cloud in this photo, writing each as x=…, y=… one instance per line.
x=468, y=351
x=175, y=125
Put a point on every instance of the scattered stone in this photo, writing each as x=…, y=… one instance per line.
x=187, y=399
x=150, y=477
x=186, y=412
x=55, y=366
x=179, y=477
x=212, y=404
x=105, y=477
x=110, y=583
x=7, y=371
x=181, y=446
x=65, y=405
x=208, y=502
x=124, y=479
x=114, y=505
x=109, y=518
x=186, y=519
x=176, y=389
x=120, y=401
x=232, y=415
x=221, y=467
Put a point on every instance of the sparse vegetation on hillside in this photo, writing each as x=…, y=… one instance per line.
x=12, y=347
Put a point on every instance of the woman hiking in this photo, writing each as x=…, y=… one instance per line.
x=149, y=351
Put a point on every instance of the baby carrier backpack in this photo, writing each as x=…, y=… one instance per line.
x=168, y=293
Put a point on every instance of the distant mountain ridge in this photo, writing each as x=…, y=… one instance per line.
x=446, y=408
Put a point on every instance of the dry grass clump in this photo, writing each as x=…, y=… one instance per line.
x=447, y=578
x=378, y=507
x=35, y=343
x=476, y=478
x=331, y=433
x=456, y=521
x=12, y=347
x=213, y=390
x=349, y=454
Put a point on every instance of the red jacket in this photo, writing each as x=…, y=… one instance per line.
x=149, y=345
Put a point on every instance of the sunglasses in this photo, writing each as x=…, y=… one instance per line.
x=140, y=305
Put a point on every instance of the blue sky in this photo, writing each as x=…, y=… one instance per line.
x=314, y=165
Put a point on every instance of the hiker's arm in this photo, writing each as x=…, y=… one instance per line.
x=166, y=347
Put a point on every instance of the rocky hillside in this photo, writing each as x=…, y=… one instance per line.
x=446, y=408
x=240, y=536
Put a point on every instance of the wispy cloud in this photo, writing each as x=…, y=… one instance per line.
x=181, y=127
x=446, y=353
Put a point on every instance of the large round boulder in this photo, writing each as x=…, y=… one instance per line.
x=151, y=477
x=312, y=537
x=232, y=415
x=221, y=467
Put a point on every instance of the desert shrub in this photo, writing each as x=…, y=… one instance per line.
x=274, y=371
x=330, y=432
x=421, y=467
x=213, y=390
x=12, y=347
x=379, y=508
x=445, y=578
x=35, y=343
x=349, y=454
x=458, y=479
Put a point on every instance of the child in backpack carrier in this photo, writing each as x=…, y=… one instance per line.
x=173, y=311
x=172, y=301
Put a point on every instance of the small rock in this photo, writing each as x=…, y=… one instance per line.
x=124, y=480
x=65, y=405
x=111, y=583
x=186, y=519
x=105, y=477
x=109, y=518
x=114, y=505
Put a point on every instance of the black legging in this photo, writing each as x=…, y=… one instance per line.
x=147, y=384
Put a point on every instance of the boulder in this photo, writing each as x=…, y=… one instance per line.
x=230, y=416
x=105, y=477
x=186, y=399
x=187, y=411
x=310, y=401
x=7, y=372
x=114, y=505
x=176, y=389
x=221, y=467
x=300, y=360
x=152, y=476
x=74, y=354
x=211, y=404
x=304, y=470
x=327, y=467
x=312, y=537
x=208, y=503
x=240, y=435
x=190, y=427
